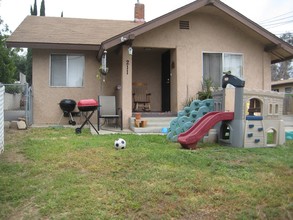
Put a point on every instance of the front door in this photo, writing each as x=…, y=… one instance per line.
x=166, y=81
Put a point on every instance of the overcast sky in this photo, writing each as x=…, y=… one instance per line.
x=14, y=11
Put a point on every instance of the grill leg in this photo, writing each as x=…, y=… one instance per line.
x=87, y=119
x=71, y=121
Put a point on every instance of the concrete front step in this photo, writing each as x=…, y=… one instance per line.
x=154, y=124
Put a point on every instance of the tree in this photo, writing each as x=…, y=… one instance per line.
x=34, y=10
x=283, y=70
x=42, y=9
x=19, y=60
x=28, y=66
x=7, y=65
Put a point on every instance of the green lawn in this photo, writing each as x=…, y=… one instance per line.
x=53, y=173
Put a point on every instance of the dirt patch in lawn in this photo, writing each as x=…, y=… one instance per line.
x=12, y=153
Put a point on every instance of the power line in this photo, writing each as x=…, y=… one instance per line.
x=276, y=20
x=275, y=17
x=272, y=25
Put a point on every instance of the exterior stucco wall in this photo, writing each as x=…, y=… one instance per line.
x=207, y=33
x=46, y=99
x=108, y=84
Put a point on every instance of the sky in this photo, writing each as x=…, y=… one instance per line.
x=276, y=15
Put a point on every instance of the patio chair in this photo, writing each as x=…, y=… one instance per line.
x=141, y=97
x=108, y=111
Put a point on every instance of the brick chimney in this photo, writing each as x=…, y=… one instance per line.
x=139, y=12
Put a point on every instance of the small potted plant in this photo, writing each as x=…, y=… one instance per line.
x=137, y=116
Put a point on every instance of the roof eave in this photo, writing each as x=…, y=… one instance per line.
x=281, y=60
x=282, y=82
x=61, y=46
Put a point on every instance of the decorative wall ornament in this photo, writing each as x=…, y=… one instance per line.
x=103, y=68
x=127, y=66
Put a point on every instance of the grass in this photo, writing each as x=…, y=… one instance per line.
x=52, y=173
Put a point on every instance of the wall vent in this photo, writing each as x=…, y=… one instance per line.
x=184, y=25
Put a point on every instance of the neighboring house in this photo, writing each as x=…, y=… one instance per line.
x=285, y=86
x=171, y=53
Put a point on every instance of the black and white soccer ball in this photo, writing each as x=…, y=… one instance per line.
x=120, y=144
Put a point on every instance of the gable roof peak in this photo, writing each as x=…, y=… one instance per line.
x=268, y=37
x=211, y=2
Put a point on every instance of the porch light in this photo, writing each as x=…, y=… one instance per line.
x=122, y=39
x=130, y=51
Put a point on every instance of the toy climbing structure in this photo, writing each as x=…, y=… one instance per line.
x=255, y=122
x=188, y=116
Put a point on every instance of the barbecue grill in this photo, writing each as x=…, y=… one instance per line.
x=67, y=106
x=89, y=106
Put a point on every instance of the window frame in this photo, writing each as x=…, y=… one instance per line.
x=288, y=90
x=67, y=55
x=222, y=63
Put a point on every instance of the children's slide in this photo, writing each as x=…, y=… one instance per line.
x=190, y=138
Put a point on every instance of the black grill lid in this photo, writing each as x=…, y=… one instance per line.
x=67, y=105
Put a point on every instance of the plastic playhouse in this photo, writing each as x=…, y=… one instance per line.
x=255, y=122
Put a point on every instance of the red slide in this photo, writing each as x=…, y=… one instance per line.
x=189, y=138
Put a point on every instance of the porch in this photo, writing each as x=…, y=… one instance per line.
x=155, y=122
x=151, y=67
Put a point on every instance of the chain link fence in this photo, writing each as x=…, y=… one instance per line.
x=18, y=103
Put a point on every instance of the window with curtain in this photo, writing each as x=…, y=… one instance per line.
x=214, y=64
x=67, y=70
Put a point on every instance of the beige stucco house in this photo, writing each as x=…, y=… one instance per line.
x=171, y=54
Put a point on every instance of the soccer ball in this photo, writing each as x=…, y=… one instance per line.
x=120, y=144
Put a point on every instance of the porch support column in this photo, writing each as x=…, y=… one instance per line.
x=126, y=81
x=182, y=83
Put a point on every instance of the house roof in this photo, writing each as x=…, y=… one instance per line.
x=74, y=33
x=279, y=49
x=101, y=35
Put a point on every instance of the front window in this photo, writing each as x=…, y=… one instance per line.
x=214, y=64
x=288, y=90
x=67, y=70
